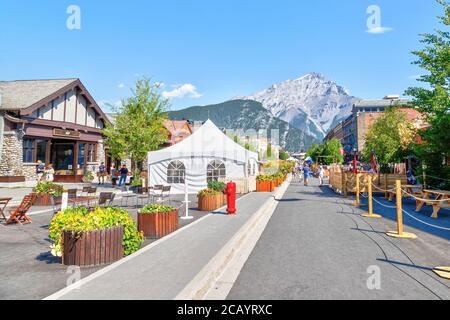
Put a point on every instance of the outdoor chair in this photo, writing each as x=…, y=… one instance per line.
x=156, y=192
x=142, y=196
x=106, y=199
x=126, y=194
x=19, y=214
x=165, y=194
x=72, y=193
x=85, y=191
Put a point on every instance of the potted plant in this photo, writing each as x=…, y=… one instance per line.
x=156, y=221
x=209, y=200
x=88, y=177
x=220, y=187
x=45, y=191
x=91, y=238
x=265, y=183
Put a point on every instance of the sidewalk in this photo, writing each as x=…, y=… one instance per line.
x=163, y=269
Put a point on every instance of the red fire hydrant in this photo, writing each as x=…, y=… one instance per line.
x=230, y=191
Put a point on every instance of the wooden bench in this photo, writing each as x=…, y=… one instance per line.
x=440, y=200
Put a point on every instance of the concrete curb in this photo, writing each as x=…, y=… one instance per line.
x=211, y=274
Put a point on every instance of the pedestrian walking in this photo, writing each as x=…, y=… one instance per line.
x=101, y=173
x=306, y=172
x=321, y=173
x=123, y=175
x=40, y=170
x=50, y=173
x=114, y=174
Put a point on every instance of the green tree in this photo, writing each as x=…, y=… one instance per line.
x=326, y=153
x=433, y=100
x=390, y=137
x=139, y=124
x=284, y=155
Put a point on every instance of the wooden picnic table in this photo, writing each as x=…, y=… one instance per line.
x=3, y=203
x=409, y=188
x=437, y=198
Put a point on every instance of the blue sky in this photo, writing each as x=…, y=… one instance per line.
x=208, y=51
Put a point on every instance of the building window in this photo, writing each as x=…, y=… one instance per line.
x=249, y=168
x=215, y=171
x=91, y=156
x=176, y=172
x=28, y=150
x=41, y=150
x=81, y=155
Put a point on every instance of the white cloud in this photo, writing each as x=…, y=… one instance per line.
x=121, y=86
x=415, y=77
x=379, y=30
x=182, y=91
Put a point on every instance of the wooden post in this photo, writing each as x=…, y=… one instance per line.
x=358, y=202
x=344, y=183
x=369, y=191
x=400, y=232
x=399, y=196
x=386, y=184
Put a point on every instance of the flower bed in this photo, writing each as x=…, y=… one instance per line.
x=71, y=229
x=45, y=191
x=156, y=221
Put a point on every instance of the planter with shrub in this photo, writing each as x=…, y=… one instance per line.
x=220, y=187
x=92, y=238
x=265, y=183
x=47, y=192
x=210, y=200
x=156, y=221
x=88, y=178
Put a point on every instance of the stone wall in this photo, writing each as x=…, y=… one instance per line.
x=11, y=163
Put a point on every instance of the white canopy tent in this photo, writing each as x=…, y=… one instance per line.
x=205, y=155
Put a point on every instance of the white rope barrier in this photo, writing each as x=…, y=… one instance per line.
x=426, y=223
x=390, y=207
x=425, y=200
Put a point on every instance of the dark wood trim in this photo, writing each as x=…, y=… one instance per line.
x=48, y=149
x=61, y=124
x=75, y=160
x=76, y=107
x=11, y=179
x=53, y=107
x=65, y=106
x=71, y=86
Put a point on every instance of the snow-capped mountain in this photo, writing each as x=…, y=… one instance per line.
x=310, y=103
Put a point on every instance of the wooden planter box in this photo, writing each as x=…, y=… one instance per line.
x=92, y=248
x=211, y=203
x=265, y=186
x=45, y=200
x=157, y=225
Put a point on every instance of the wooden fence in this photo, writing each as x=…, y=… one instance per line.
x=345, y=182
x=243, y=185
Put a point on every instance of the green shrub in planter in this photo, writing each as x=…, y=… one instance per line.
x=216, y=185
x=208, y=192
x=156, y=208
x=81, y=219
x=50, y=188
x=88, y=177
x=265, y=177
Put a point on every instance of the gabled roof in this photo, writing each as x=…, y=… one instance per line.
x=22, y=94
x=208, y=141
x=26, y=96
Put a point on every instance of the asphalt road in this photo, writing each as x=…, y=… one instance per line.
x=316, y=246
